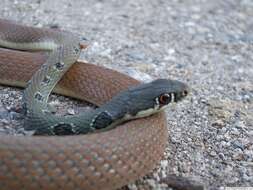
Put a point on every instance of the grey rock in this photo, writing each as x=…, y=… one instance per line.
x=237, y=144
x=136, y=56
x=4, y=114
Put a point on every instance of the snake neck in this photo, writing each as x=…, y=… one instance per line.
x=64, y=53
x=40, y=119
x=102, y=118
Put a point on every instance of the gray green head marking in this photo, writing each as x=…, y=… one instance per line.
x=146, y=99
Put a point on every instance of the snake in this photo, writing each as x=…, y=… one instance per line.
x=106, y=148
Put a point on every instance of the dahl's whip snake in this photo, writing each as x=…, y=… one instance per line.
x=104, y=160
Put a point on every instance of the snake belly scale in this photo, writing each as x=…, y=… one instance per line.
x=105, y=160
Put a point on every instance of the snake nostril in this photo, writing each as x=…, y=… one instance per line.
x=185, y=93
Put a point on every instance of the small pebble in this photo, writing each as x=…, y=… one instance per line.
x=71, y=111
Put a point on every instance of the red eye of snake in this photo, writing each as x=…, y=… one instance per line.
x=165, y=99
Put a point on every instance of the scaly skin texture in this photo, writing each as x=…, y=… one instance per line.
x=63, y=50
x=106, y=160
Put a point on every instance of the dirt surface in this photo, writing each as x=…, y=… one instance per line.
x=207, y=44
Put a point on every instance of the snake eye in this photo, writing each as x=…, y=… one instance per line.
x=164, y=99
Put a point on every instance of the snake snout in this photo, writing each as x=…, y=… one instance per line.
x=182, y=92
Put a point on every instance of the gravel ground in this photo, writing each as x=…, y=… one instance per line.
x=207, y=44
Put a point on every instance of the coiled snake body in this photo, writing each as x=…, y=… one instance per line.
x=105, y=160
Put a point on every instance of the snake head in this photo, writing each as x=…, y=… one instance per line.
x=149, y=98
x=140, y=101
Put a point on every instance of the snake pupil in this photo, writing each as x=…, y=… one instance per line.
x=164, y=99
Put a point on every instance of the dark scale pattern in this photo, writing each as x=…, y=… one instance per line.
x=76, y=50
x=59, y=65
x=46, y=80
x=38, y=96
x=63, y=129
x=101, y=120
